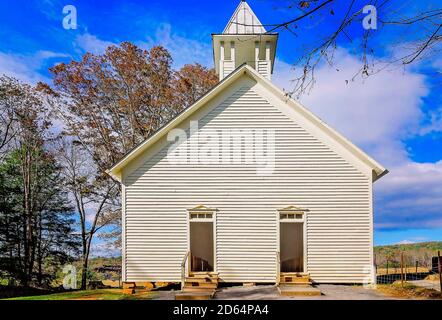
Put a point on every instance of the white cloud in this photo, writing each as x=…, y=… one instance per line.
x=103, y=249
x=435, y=124
x=405, y=241
x=377, y=114
x=26, y=68
x=413, y=240
x=372, y=112
x=90, y=43
x=183, y=49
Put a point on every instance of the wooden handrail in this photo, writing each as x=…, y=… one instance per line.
x=183, y=269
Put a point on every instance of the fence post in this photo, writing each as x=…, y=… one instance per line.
x=375, y=266
x=402, y=268
x=439, y=267
x=387, y=266
x=416, y=267
x=405, y=270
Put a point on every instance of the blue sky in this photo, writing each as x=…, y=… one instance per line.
x=395, y=116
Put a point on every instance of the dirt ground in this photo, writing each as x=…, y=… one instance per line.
x=428, y=284
x=269, y=292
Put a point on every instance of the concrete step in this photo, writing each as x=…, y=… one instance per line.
x=290, y=290
x=195, y=295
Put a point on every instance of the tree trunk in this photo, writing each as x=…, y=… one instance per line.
x=85, y=264
x=39, y=252
x=27, y=212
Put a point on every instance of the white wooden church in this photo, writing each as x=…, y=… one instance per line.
x=246, y=185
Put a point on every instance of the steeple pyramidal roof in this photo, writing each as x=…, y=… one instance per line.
x=244, y=21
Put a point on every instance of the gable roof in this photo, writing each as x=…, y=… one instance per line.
x=377, y=169
x=244, y=21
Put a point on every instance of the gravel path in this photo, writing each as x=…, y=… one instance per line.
x=429, y=284
x=269, y=292
x=329, y=292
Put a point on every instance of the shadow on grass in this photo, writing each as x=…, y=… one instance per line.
x=100, y=294
x=18, y=291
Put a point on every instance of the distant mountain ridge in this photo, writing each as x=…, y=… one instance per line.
x=431, y=245
x=420, y=252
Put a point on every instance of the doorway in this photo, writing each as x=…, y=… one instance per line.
x=291, y=244
x=201, y=243
x=291, y=241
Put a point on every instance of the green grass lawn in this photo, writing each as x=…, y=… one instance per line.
x=102, y=294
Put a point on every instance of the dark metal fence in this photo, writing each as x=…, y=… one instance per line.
x=405, y=268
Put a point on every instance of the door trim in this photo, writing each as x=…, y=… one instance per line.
x=201, y=209
x=292, y=210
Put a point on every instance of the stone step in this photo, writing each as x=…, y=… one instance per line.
x=285, y=290
x=196, y=295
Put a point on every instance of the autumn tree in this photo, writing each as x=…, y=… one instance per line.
x=191, y=82
x=109, y=103
x=112, y=102
x=7, y=113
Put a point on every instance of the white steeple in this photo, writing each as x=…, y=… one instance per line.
x=244, y=40
x=244, y=21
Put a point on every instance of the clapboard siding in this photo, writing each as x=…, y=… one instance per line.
x=307, y=174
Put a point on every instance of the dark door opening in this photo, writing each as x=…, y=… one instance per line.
x=201, y=246
x=291, y=247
